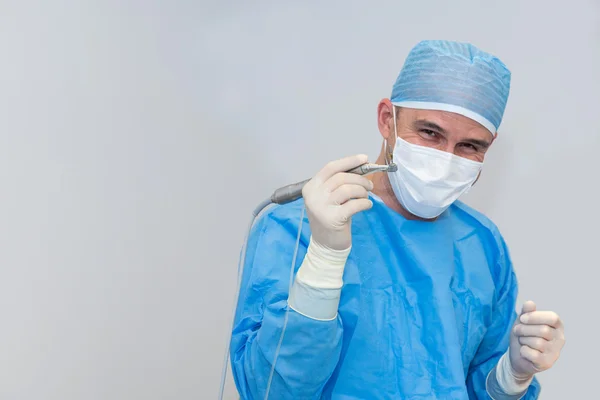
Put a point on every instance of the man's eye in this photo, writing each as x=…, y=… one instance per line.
x=429, y=132
x=469, y=146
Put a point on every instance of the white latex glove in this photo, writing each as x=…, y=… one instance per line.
x=535, y=341
x=332, y=197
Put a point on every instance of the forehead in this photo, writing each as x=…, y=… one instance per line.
x=452, y=123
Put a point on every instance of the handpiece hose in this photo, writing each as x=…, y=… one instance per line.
x=293, y=191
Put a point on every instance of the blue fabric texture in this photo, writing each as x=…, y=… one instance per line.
x=425, y=311
x=457, y=74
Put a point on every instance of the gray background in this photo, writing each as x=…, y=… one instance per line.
x=136, y=137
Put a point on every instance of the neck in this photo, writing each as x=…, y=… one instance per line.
x=383, y=189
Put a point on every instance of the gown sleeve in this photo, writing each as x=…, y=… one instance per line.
x=310, y=349
x=496, y=341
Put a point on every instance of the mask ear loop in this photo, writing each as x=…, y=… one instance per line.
x=388, y=154
x=388, y=151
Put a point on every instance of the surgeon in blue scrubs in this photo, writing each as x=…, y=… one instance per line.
x=399, y=290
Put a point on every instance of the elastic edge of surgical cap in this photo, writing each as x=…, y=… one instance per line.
x=425, y=105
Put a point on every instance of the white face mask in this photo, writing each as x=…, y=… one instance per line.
x=428, y=181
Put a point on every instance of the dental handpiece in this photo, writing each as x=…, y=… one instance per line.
x=293, y=191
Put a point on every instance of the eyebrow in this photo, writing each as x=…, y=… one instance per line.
x=424, y=124
x=484, y=144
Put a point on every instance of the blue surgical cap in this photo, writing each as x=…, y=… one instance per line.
x=456, y=77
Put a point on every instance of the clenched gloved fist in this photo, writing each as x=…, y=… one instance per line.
x=332, y=197
x=535, y=341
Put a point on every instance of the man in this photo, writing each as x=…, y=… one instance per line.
x=400, y=291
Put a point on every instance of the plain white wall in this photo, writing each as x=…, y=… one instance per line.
x=137, y=136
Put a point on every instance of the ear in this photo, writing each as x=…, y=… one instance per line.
x=385, y=118
x=495, y=136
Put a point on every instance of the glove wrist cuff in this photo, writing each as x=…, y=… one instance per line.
x=323, y=267
x=508, y=379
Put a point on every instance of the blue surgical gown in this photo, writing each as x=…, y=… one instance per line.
x=425, y=311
